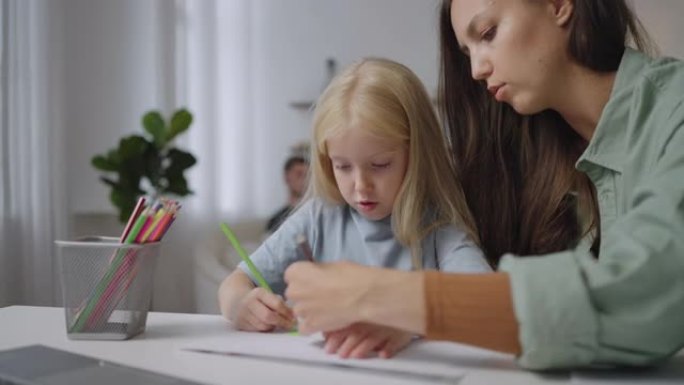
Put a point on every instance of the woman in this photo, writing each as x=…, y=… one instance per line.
x=569, y=145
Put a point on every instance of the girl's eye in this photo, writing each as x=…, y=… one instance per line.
x=380, y=165
x=341, y=167
x=488, y=35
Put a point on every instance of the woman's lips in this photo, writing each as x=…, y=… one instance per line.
x=496, y=91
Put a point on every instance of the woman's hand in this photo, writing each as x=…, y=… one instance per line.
x=328, y=296
x=262, y=311
x=360, y=339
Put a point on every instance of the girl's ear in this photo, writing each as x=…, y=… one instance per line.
x=563, y=10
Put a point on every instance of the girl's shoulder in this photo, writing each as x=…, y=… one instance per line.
x=451, y=232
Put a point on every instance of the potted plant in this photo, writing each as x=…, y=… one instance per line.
x=147, y=165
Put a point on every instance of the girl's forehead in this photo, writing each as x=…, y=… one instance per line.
x=376, y=130
x=358, y=140
x=364, y=133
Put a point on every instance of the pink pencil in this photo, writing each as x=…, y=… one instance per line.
x=129, y=260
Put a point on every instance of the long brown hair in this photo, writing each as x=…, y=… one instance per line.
x=518, y=171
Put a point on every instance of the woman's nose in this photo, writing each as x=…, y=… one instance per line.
x=480, y=67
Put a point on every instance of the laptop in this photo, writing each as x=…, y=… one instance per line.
x=42, y=365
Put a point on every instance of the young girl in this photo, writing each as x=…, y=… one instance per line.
x=546, y=107
x=383, y=193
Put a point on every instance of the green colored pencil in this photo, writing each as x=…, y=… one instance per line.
x=243, y=254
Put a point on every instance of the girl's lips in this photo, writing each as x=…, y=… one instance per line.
x=367, y=206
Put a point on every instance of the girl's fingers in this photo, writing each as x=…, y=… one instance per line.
x=275, y=303
x=266, y=315
x=255, y=323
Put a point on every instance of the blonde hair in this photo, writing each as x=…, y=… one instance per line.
x=391, y=102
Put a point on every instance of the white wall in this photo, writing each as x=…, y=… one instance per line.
x=663, y=20
x=111, y=64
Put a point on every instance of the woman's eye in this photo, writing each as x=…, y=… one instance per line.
x=381, y=165
x=488, y=35
x=341, y=167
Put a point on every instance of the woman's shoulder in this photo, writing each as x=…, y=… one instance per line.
x=663, y=79
x=647, y=100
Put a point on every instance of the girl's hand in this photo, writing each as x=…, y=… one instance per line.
x=262, y=311
x=358, y=340
x=327, y=296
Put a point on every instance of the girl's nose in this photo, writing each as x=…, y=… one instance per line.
x=363, y=182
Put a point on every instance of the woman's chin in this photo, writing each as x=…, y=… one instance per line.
x=525, y=108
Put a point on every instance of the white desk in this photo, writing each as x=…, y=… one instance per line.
x=158, y=349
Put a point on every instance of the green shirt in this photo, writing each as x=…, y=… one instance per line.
x=627, y=307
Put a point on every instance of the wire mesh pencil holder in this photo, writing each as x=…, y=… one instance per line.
x=106, y=286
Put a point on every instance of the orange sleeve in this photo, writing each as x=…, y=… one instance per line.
x=475, y=309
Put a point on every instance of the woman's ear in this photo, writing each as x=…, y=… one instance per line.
x=563, y=10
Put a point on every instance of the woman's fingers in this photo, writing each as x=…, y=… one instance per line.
x=298, y=277
x=361, y=339
x=333, y=341
x=368, y=344
x=351, y=342
x=326, y=296
x=394, y=345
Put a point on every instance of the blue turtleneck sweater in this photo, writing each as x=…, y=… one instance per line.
x=338, y=232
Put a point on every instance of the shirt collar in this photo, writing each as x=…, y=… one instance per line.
x=608, y=144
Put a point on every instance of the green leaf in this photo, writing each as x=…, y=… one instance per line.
x=125, y=201
x=152, y=165
x=102, y=163
x=140, y=157
x=179, y=160
x=180, y=122
x=154, y=124
x=114, y=157
x=178, y=185
x=109, y=182
x=129, y=180
x=132, y=146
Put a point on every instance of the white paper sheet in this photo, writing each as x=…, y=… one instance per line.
x=423, y=360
